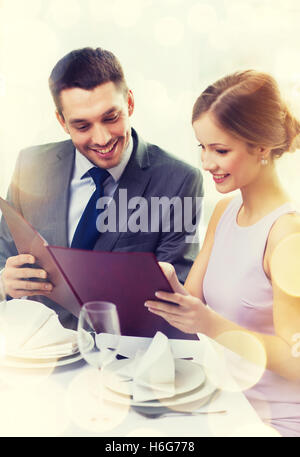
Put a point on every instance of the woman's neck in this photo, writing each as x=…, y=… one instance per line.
x=261, y=196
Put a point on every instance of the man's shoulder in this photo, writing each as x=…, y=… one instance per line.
x=47, y=148
x=163, y=159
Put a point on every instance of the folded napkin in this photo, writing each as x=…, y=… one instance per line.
x=31, y=329
x=152, y=371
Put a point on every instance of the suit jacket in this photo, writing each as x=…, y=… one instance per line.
x=40, y=192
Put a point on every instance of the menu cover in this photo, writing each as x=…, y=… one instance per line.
x=126, y=279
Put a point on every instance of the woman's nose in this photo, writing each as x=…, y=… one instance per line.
x=208, y=163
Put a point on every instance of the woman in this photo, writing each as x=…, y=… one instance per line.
x=243, y=125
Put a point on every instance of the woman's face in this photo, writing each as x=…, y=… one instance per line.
x=229, y=160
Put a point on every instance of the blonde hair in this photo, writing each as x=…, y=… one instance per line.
x=250, y=106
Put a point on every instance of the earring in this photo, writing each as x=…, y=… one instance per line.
x=264, y=161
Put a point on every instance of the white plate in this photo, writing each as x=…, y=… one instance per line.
x=43, y=362
x=198, y=397
x=40, y=357
x=47, y=358
x=188, y=376
x=39, y=363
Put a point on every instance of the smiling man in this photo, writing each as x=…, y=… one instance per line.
x=57, y=187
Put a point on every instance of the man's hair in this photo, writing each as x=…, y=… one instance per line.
x=85, y=68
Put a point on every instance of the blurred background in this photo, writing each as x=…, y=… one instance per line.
x=170, y=51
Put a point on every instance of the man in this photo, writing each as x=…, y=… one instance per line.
x=53, y=184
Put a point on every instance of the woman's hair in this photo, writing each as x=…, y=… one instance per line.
x=86, y=68
x=249, y=105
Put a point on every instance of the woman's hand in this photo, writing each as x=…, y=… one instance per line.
x=170, y=273
x=189, y=314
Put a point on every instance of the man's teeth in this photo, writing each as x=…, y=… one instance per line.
x=106, y=150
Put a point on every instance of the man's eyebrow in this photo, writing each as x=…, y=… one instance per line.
x=106, y=113
x=77, y=121
x=110, y=111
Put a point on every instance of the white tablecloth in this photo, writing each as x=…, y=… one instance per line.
x=62, y=401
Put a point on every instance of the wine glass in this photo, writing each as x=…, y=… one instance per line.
x=98, y=341
x=98, y=333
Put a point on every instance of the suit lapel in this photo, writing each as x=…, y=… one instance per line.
x=58, y=183
x=134, y=181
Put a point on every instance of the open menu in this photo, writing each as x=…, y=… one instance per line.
x=126, y=279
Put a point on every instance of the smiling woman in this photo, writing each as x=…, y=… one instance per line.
x=243, y=125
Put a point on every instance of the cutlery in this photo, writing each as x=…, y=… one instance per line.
x=166, y=412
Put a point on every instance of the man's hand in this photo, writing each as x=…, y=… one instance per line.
x=16, y=274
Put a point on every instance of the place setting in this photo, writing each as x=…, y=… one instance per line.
x=32, y=336
x=153, y=382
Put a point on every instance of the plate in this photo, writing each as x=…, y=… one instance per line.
x=47, y=357
x=188, y=376
x=15, y=362
x=198, y=397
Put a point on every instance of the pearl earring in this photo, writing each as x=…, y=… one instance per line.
x=264, y=161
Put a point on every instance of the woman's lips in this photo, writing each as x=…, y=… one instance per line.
x=220, y=178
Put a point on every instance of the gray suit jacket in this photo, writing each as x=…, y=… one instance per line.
x=40, y=192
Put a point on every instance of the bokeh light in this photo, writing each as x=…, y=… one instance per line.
x=87, y=405
x=33, y=411
x=255, y=430
x=127, y=14
x=285, y=265
x=245, y=369
x=64, y=14
x=202, y=18
x=169, y=31
x=145, y=432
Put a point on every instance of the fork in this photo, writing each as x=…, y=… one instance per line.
x=163, y=411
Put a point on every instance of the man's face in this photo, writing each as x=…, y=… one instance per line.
x=97, y=121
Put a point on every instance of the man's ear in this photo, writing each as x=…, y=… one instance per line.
x=130, y=102
x=62, y=121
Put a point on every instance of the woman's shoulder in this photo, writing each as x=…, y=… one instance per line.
x=220, y=209
x=286, y=226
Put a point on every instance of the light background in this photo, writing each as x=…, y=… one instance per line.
x=170, y=50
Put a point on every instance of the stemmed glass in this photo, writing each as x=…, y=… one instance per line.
x=98, y=341
x=98, y=333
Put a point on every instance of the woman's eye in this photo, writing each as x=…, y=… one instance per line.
x=222, y=151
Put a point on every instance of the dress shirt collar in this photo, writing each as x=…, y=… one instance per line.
x=83, y=164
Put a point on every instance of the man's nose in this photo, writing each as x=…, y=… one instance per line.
x=100, y=135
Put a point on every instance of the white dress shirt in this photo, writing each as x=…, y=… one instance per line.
x=81, y=189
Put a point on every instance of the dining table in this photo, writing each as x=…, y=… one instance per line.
x=69, y=400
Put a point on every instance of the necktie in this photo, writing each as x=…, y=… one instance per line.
x=86, y=233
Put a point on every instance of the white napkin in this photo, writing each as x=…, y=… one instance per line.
x=31, y=329
x=152, y=371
